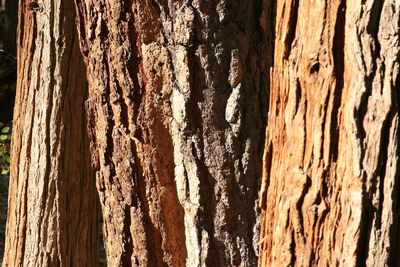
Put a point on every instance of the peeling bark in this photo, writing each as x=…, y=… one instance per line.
x=52, y=218
x=176, y=119
x=330, y=193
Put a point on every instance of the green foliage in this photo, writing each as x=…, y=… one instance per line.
x=5, y=140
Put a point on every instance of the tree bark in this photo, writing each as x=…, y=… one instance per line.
x=330, y=193
x=52, y=219
x=177, y=113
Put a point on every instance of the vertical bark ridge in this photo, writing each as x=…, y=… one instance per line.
x=330, y=180
x=50, y=167
x=184, y=83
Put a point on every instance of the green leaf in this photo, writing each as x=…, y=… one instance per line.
x=6, y=130
x=5, y=172
x=3, y=137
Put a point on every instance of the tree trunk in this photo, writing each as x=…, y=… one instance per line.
x=177, y=113
x=52, y=199
x=10, y=26
x=330, y=194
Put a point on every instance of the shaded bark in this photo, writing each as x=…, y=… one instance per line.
x=330, y=194
x=52, y=198
x=176, y=113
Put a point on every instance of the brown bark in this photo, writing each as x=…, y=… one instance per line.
x=330, y=194
x=177, y=122
x=52, y=197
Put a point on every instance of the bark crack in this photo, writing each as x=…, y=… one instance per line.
x=292, y=24
x=338, y=52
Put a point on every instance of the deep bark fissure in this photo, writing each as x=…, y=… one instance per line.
x=299, y=205
x=366, y=225
x=128, y=245
x=338, y=55
x=292, y=24
x=293, y=251
x=380, y=172
x=373, y=25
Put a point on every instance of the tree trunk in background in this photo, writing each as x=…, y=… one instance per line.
x=331, y=169
x=177, y=113
x=52, y=199
x=10, y=26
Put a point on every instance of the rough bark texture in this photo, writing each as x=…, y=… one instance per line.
x=52, y=199
x=176, y=115
x=330, y=194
